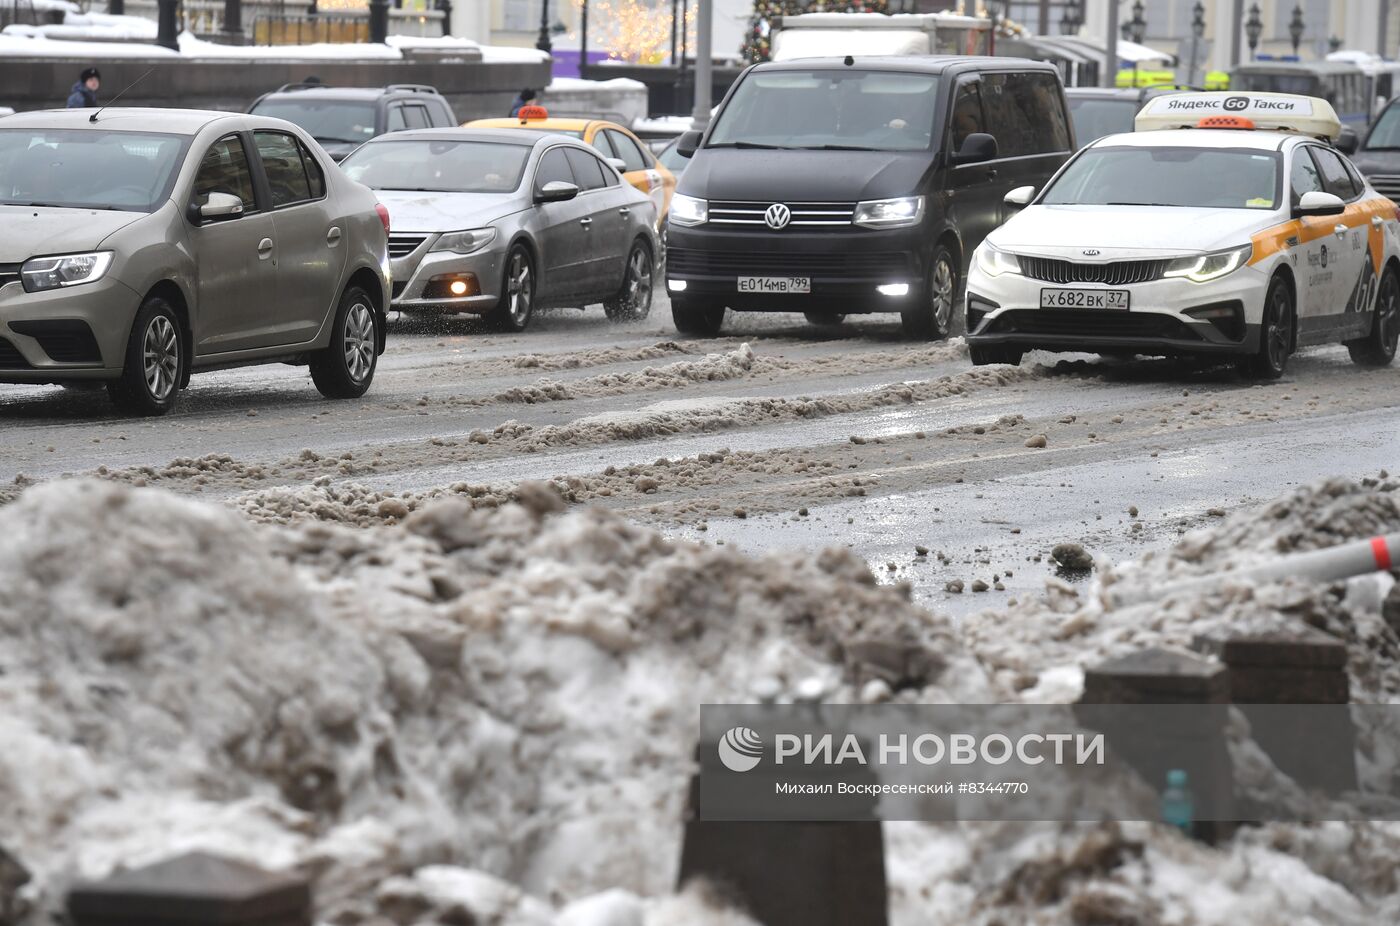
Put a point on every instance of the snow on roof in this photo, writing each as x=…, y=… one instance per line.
x=566, y=84
x=50, y=42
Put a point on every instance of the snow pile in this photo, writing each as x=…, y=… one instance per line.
x=512, y=689
x=1041, y=647
x=92, y=26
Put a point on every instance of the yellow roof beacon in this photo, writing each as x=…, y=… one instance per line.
x=1227, y=109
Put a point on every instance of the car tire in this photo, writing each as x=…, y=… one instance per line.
x=517, y=305
x=931, y=317
x=156, y=364
x=1377, y=349
x=984, y=356
x=698, y=318
x=824, y=319
x=1275, y=334
x=634, y=300
x=345, y=367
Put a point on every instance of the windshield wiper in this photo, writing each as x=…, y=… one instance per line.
x=750, y=144
x=1170, y=205
x=69, y=206
x=335, y=141
x=415, y=189
x=837, y=148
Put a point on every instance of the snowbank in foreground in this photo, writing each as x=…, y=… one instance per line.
x=489, y=712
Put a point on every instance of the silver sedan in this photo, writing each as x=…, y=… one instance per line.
x=504, y=222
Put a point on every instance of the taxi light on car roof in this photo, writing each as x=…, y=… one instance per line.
x=532, y=113
x=1273, y=112
x=1225, y=122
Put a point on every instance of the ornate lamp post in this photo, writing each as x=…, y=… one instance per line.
x=1198, y=31
x=1296, y=26
x=1071, y=19
x=543, y=43
x=1253, y=27
x=1135, y=30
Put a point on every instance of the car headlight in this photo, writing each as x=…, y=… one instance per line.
x=465, y=242
x=1206, y=267
x=994, y=263
x=687, y=210
x=43, y=273
x=890, y=213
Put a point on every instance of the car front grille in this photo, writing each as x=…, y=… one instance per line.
x=404, y=245
x=1112, y=323
x=1388, y=185
x=11, y=358
x=9, y=273
x=1118, y=273
x=683, y=262
x=804, y=215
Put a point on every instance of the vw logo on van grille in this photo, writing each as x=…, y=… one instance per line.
x=777, y=216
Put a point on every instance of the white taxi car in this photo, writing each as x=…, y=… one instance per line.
x=1226, y=224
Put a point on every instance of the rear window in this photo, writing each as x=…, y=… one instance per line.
x=328, y=121
x=837, y=109
x=1093, y=119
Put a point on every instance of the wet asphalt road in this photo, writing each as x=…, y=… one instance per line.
x=950, y=472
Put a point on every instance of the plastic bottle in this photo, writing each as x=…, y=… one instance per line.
x=1177, y=806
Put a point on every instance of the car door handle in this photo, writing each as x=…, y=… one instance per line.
x=333, y=236
x=585, y=222
x=1339, y=230
x=1377, y=221
x=624, y=211
x=991, y=173
x=265, y=249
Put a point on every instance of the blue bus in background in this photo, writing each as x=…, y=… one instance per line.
x=1344, y=85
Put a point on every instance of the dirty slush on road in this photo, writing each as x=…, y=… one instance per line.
x=473, y=698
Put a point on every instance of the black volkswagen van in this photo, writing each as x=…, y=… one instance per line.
x=833, y=186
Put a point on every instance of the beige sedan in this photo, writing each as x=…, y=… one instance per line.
x=138, y=246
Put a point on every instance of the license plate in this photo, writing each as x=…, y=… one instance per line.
x=1083, y=298
x=775, y=284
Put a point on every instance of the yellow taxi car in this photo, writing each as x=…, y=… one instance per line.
x=628, y=153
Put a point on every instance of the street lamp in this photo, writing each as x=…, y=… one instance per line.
x=1135, y=30
x=1253, y=27
x=1198, y=31
x=1296, y=27
x=543, y=43
x=1071, y=19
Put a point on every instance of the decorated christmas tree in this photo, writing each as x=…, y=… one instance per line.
x=758, y=41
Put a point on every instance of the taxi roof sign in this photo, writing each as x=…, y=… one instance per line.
x=1275, y=112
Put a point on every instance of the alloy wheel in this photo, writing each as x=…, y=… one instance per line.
x=520, y=287
x=1276, y=330
x=359, y=341
x=1388, y=312
x=639, y=285
x=942, y=293
x=161, y=350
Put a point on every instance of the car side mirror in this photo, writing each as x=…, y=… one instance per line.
x=1317, y=203
x=688, y=143
x=221, y=206
x=1348, y=141
x=1021, y=196
x=976, y=148
x=618, y=164
x=556, y=191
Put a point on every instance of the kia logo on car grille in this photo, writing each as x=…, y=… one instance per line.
x=777, y=216
x=1091, y=252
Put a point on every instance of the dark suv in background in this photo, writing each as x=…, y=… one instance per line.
x=1378, y=157
x=833, y=186
x=343, y=118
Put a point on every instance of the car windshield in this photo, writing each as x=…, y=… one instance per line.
x=88, y=168
x=1220, y=178
x=439, y=166
x=845, y=109
x=1385, y=134
x=328, y=121
x=1095, y=118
